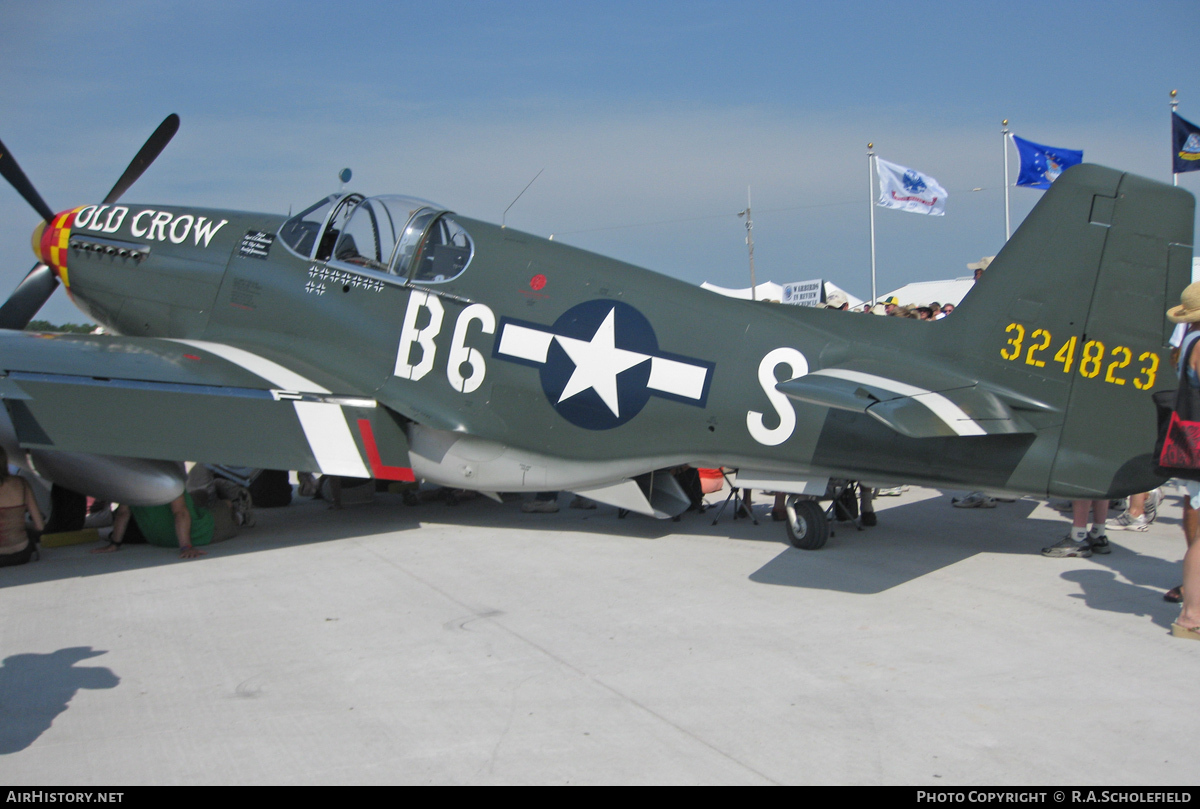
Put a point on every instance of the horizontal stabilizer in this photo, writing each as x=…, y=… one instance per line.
x=958, y=407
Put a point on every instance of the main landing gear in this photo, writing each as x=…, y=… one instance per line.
x=807, y=525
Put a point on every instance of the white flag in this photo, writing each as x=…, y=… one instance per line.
x=909, y=190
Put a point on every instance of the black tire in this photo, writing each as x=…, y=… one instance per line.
x=807, y=525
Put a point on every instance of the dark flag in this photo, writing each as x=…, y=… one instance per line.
x=1186, y=142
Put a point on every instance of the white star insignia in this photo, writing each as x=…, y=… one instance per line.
x=597, y=363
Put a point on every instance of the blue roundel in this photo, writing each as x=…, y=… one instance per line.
x=596, y=371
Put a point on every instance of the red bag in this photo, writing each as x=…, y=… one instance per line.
x=1178, y=449
x=1181, y=446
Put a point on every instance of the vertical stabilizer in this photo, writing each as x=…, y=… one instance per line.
x=1070, y=318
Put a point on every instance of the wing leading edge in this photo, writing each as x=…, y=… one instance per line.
x=191, y=400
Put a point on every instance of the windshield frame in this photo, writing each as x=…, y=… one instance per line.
x=336, y=202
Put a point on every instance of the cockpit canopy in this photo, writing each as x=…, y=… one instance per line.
x=401, y=236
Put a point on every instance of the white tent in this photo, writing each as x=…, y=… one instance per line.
x=923, y=292
x=767, y=290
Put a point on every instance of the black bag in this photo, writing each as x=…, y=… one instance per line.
x=271, y=489
x=1177, y=451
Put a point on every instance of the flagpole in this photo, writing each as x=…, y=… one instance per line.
x=871, y=203
x=1004, y=142
x=1174, y=111
x=750, y=245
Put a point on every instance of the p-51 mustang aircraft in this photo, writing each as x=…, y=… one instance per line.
x=388, y=337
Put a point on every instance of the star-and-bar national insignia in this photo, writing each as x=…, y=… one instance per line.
x=600, y=363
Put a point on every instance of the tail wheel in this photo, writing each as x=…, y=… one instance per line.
x=807, y=525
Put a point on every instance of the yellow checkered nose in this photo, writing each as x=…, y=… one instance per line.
x=37, y=241
x=50, y=242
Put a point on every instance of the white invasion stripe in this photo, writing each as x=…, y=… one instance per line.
x=871, y=379
x=329, y=437
x=269, y=370
x=950, y=413
x=525, y=343
x=943, y=408
x=678, y=378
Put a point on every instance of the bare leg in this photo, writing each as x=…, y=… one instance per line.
x=1079, y=513
x=778, y=513
x=121, y=519
x=1189, y=616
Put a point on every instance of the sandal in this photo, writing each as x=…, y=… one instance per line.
x=1181, y=631
x=1174, y=595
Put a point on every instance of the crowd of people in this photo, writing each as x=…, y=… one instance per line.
x=892, y=307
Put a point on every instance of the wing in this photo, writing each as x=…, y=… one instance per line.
x=191, y=400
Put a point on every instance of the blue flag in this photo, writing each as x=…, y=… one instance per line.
x=1186, y=140
x=1041, y=165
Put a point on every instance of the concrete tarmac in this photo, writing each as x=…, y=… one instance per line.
x=475, y=644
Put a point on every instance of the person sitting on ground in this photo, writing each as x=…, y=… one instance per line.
x=16, y=500
x=179, y=523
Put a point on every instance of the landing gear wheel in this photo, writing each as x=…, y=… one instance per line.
x=807, y=525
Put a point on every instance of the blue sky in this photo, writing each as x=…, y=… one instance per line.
x=649, y=119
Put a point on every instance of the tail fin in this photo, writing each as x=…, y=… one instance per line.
x=1068, y=324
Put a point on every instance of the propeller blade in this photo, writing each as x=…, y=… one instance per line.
x=11, y=171
x=28, y=297
x=142, y=160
